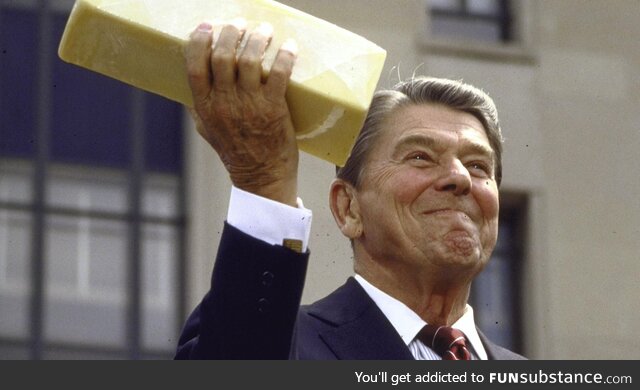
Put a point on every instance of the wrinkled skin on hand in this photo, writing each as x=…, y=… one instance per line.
x=242, y=114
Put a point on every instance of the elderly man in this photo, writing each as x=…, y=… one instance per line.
x=418, y=198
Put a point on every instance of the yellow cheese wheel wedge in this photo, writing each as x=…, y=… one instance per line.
x=141, y=42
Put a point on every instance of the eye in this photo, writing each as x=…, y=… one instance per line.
x=480, y=167
x=418, y=157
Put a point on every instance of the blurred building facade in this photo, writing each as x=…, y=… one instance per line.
x=111, y=206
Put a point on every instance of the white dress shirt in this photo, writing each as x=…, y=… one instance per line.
x=273, y=222
x=268, y=220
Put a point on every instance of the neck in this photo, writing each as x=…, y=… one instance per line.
x=438, y=297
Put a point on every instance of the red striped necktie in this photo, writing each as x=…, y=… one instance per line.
x=449, y=343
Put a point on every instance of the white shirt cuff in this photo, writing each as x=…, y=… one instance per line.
x=268, y=220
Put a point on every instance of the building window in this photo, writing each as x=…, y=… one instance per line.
x=91, y=203
x=471, y=20
x=496, y=293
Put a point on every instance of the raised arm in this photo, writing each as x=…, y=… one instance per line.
x=256, y=286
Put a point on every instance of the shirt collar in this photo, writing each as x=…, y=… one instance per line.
x=407, y=323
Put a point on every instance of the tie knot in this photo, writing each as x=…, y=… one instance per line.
x=448, y=342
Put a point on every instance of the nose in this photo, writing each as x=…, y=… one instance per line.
x=455, y=179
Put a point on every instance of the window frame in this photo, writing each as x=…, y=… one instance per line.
x=502, y=19
x=514, y=213
x=519, y=50
x=41, y=165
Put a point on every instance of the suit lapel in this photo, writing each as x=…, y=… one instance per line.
x=360, y=330
x=489, y=347
x=496, y=352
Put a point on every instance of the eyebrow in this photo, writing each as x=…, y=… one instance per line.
x=414, y=139
x=432, y=143
x=476, y=148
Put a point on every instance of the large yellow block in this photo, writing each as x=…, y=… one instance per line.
x=141, y=42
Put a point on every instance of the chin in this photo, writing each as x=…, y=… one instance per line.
x=468, y=256
x=468, y=262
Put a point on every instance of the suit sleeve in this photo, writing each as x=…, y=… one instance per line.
x=251, y=308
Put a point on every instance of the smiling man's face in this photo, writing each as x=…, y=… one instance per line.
x=429, y=195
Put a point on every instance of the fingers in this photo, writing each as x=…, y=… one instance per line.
x=198, y=53
x=223, y=55
x=250, y=60
x=281, y=70
x=213, y=66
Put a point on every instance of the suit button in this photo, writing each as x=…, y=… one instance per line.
x=264, y=305
x=267, y=278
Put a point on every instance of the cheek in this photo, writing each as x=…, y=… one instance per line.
x=488, y=199
x=409, y=186
x=396, y=184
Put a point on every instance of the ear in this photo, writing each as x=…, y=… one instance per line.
x=345, y=208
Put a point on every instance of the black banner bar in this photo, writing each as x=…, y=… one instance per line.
x=589, y=374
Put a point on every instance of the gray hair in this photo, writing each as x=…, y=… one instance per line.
x=450, y=93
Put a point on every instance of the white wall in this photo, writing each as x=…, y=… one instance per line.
x=568, y=102
x=588, y=93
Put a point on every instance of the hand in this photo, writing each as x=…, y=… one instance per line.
x=240, y=113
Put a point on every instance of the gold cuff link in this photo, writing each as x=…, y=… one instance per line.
x=294, y=245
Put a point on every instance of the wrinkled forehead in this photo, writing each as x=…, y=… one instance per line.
x=429, y=122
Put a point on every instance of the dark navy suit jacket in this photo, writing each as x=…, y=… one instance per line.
x=253, y=312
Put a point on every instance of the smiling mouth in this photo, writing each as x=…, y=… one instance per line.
x=448, y=213
x=445, y=211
